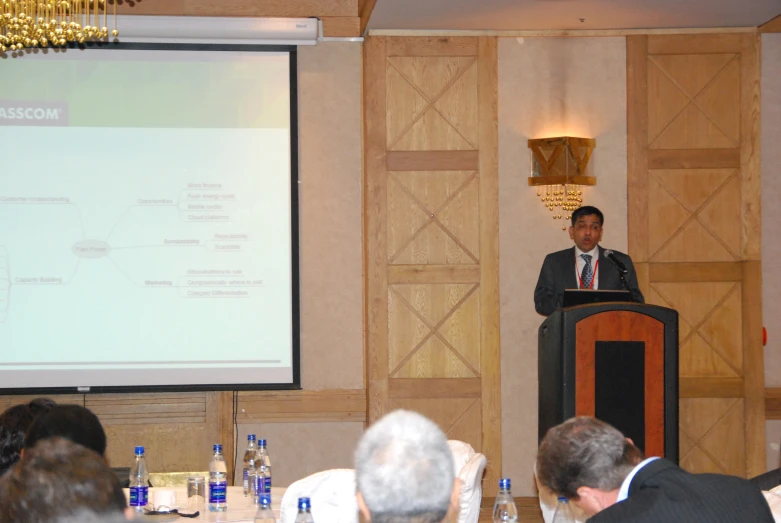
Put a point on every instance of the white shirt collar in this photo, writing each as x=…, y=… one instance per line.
x=594, y=253
x=623, y=492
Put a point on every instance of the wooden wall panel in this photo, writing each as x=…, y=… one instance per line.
x=694, y=226
x=432, y=235
x=375, y=236
x=488, y=91
x=772, y=26
x=365, y=9
x=773, y=403
x=177, y=430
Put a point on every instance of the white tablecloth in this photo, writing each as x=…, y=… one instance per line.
x=239, y=507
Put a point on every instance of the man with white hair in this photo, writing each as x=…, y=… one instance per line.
x=404, y=471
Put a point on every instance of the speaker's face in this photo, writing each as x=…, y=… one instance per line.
x=587, y=232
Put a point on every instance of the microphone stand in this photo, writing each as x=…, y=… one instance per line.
x=622, y=277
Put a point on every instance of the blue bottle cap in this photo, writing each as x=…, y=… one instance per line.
x=139, y=451
x=261, y=442
x=265, y=499
x=217, y=447
x=304, y=504
x=504, y=484
x=562, y=499
x=250, y=437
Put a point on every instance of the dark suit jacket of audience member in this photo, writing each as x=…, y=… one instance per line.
x=558, y=274
x=663, y=492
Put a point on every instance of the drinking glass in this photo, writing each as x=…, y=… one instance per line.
x=196, y=493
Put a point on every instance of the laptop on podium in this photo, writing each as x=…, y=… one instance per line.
x=573, y=297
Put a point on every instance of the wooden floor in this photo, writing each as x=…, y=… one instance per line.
x=528, y=510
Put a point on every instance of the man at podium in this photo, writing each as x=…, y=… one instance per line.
x=584, y=266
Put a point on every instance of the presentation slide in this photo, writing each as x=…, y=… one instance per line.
x=145, y=219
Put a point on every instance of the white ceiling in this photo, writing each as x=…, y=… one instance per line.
x=509, y=15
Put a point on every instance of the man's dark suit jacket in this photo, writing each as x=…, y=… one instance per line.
x=660, y=492
x=558, y=273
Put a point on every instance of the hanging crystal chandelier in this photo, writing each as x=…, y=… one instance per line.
x=41, y=23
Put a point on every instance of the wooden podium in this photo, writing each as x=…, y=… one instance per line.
x=617, y=362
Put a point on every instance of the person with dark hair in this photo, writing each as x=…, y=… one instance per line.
x=40, y=405
x=14, y=423
x=601, y=472
x=72, y=422
x=585, y=266
x=58, y=478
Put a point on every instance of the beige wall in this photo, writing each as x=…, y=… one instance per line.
x=300, y=449
x=329, y=76
x=331, y=260
x=771, y=217
x=549, y=87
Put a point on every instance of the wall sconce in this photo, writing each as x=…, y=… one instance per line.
x=559, y=169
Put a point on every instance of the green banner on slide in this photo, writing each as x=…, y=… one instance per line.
x=158, y=89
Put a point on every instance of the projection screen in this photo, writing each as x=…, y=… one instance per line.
x=148, y=219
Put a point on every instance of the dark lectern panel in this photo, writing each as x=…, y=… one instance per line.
x=620, y=387
x=567, y=368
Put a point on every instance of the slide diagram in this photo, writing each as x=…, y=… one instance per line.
x=173, y=254
x=205, y=204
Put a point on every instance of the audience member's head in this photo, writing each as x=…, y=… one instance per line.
x=58, y=478
x=41, y=405
x=586, y=460
x=404, y=471
x=72, y=422
x=14, y=423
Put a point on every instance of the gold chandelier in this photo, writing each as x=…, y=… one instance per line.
x=31, y=23
x=560, y=169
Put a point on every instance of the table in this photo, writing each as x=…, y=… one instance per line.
x=239, y=507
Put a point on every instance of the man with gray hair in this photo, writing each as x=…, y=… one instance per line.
x=404, y=471
x=602, y=472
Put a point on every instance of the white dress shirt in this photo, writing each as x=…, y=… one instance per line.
x=580, y=263
x=623, y=492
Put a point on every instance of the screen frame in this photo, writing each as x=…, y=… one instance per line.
x=292, y=51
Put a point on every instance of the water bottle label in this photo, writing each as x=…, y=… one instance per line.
x=246, y=480
x=257, y=487
x=139, y=496
x=267, y=485
x=217, y=491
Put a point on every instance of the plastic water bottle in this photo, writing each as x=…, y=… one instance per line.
x=563, y=512
x=265, y=514
x=505, y=510
x=304, y=511
x=249, y=465
x=139, y=481
x=218, y=481
x=262, y=471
